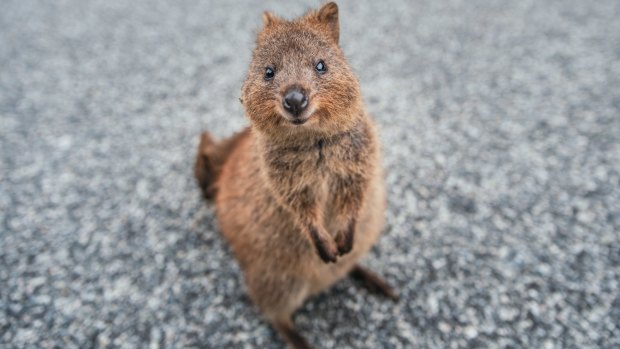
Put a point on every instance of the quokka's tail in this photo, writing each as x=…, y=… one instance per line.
x=210, y=159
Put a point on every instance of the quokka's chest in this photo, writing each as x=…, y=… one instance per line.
x=322, y=173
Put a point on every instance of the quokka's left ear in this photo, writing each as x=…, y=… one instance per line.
x=328, y=14
x=269, y=19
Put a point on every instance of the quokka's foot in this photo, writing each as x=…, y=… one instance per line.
x=287, y=330
x=373, y=282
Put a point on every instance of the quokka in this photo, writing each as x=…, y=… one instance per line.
x=299, y=194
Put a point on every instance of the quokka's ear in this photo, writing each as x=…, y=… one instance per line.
x=328, y=14
x=269, y=19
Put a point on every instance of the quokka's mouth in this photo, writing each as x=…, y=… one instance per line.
x=298, y=120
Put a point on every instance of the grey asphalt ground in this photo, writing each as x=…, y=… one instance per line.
x=501, y=138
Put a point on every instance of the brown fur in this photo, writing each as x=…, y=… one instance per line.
x=299, y=204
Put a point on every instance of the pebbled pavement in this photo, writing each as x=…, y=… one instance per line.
x=501, y=130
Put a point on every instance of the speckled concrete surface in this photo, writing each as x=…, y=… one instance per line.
x=501, y=130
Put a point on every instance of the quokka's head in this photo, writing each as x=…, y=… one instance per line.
x=299, y=79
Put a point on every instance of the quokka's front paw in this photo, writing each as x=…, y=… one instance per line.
x=325, y=245
x=344, y=242
x=344, y=239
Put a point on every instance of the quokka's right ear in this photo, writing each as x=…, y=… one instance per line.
x=269, y=19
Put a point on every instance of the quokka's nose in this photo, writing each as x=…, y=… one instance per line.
x=295, y=101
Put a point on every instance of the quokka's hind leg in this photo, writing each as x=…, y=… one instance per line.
x=373, y=282
x=287, y=331
x=211, y=157
x=204, y=169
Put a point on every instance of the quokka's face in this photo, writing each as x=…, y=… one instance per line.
x=299, y=78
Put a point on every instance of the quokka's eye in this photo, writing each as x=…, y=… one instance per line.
x=321, y=67
x=269, y=73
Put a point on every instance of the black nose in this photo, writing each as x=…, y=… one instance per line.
x=295, y=101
